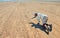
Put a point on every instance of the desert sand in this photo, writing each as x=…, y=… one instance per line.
x=15, y=19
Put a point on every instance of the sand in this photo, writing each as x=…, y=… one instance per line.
x=15, y=19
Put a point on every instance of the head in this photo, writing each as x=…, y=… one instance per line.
x=35, y=14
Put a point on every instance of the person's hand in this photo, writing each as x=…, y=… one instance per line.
x=33, y=17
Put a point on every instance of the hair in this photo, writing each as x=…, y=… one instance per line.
x=35, y=14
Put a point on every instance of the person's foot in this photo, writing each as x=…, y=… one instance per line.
x=38, y=23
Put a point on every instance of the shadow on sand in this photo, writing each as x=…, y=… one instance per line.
x=39, y=26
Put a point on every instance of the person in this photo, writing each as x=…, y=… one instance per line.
x=44, y=19
x=41, y=16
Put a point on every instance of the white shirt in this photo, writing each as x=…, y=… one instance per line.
x=42, y=16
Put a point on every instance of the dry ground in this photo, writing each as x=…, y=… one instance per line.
x=15, y=19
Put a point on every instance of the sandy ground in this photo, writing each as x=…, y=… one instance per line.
x=15, y=19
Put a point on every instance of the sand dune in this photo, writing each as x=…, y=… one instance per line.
x=15, y=19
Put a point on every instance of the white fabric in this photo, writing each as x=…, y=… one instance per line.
x=41, y=16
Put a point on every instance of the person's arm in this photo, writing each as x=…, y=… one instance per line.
x=34, y=17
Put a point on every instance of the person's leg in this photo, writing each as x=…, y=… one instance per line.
x=46, y=21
